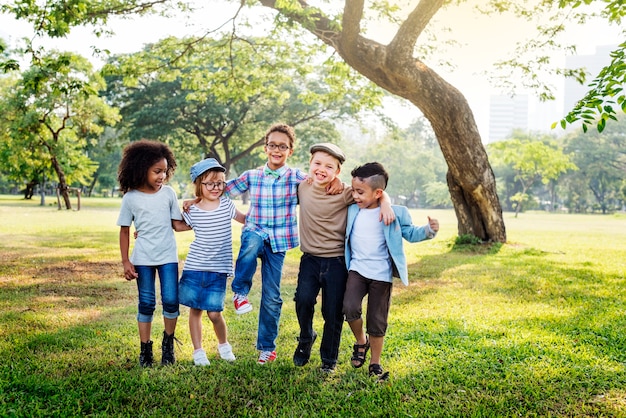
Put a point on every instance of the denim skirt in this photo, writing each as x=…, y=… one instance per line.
x=204, y=290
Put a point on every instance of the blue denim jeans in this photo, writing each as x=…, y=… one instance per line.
x=168, y=277
x=252, y=247
x=328, y=274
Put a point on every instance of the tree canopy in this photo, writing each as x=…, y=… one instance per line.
x=49, y=115
x=400, y=67
x=219, y=97
x=532, y=161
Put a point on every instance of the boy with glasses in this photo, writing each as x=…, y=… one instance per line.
x=270, y=230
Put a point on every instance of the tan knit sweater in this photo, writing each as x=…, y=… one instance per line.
x=323, y=220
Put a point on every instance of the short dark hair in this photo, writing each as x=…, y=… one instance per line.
x=373, y=173
x=283, y=128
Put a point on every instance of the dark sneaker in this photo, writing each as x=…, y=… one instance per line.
x=167, y=349
x=145, y=356
x=303, y=352
x=328, y=367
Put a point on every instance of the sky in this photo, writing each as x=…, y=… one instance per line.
x=484, y=40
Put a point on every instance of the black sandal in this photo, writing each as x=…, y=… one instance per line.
x=377, y=371
x=359, y=353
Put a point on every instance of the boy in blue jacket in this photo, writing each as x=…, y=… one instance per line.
x=374, y=255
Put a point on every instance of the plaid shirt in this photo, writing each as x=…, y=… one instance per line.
x=273, y=202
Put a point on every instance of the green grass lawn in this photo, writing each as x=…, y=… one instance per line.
x=534, y=327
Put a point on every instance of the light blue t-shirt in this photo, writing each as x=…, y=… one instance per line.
x=152, y=214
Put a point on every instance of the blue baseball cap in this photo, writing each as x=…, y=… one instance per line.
x=202, y=166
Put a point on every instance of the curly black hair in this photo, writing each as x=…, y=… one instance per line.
x=138, y=157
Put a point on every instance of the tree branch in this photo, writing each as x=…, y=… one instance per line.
x=351, y=24
x=312, y=20
x=404, y=42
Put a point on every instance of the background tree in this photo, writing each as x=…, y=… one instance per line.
x=602, y=161
x=220, y=97
x=51, y=113
x=395, y=68
x=409, y=155
x=532, y=161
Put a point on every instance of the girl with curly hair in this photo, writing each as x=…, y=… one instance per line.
x=153, y=207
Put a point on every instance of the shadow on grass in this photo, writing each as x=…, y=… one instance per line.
x=474, y=335
x=521, y=334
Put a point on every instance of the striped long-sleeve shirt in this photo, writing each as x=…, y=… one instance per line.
x=273, y=202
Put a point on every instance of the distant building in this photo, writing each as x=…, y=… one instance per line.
x=506, y=114
x=592, y=64
x=529, y=114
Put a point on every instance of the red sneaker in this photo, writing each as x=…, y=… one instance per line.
x=267, y=357
x=242, y=305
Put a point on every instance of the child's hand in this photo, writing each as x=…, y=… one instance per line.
x=387, y=215
x=187, y=204
x=335, y=186
x=433, y=223
x=129, y=271
x=135, y=234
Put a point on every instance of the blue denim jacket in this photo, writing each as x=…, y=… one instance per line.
x=401, y=227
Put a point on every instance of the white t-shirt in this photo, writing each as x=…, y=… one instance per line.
x=212, y=248
x=152, y=214
x=370, y=256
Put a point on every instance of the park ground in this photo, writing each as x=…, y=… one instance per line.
x=534, y=327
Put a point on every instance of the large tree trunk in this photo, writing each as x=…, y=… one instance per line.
x=470, y=177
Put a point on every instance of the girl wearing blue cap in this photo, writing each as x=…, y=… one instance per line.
x=209, y=262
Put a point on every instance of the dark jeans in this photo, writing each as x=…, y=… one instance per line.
x=328, y=275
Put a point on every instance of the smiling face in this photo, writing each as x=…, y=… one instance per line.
x=275, y=157
x=364, y=195
x=157, y=173
x=212, y=185
x=323, y=168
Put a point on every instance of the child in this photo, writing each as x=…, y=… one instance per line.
x=270, y=230
x=374, y=255
x=152, y=206
x=322, y=265
x=210, y=259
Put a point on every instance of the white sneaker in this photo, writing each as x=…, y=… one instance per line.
x=200, y=359
x=226, y=352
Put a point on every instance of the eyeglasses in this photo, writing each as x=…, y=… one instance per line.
x=210, y=185
x=281, y=147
